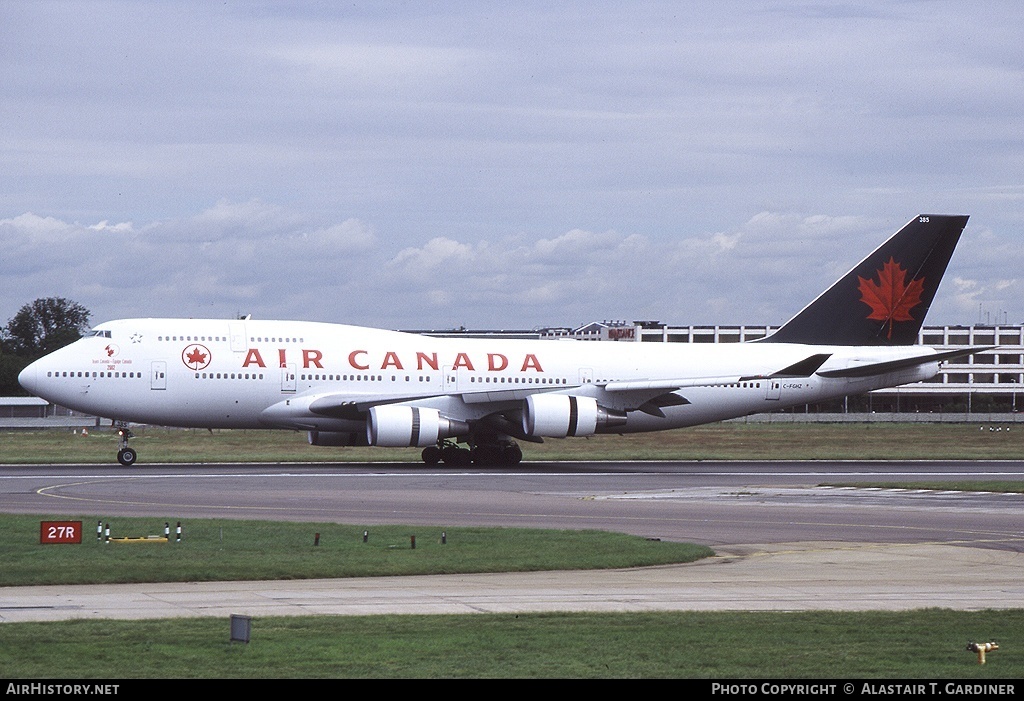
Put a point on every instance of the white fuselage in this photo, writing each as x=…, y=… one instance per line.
x=267, y=374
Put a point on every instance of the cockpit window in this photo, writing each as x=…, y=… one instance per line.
x=100, y=333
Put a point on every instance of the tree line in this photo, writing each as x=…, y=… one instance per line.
x=39, y=327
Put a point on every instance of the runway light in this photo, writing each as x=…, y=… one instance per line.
x=981, y=649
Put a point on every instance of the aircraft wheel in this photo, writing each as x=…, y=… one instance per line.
x=451, y=455
x=511, y=454
x=127, y=456
x=486, y=455
x=431, y=455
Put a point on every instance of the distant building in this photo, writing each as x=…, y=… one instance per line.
x=25, y=408
x=598, y=331
x=988, y=381
x=33, y=412
x=463, y=332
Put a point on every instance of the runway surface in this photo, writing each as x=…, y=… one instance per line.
x=787, y=536
x=711, y=503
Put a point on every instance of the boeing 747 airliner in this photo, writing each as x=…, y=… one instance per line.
x=469, y=400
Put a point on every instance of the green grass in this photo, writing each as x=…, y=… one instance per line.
x=224, y=550
x=926, y=644
x=723, y=441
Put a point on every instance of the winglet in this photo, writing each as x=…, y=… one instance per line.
x=884, y=299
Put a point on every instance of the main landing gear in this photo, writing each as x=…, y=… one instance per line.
x=125, y=455
x=500, y=454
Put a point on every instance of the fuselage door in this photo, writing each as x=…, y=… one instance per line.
x=158, y=376
x=288, y=378
x=236, y=331
x=774, y=390
x=586, y=376
x=451, y=379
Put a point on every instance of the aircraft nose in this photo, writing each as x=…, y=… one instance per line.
x=27, y=377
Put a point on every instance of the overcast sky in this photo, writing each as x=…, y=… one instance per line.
x=501, y=164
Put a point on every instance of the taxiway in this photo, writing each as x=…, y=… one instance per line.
x=787, y=535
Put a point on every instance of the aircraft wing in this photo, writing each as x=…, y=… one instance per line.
x=354, y=406
x=350, y=406
x=805, y=368
x=651, y=396
x=671, y=384
x=647, y=395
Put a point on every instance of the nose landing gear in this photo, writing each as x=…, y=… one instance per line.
x=125, y=455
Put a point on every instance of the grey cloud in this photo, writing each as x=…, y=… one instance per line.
x=421, y=163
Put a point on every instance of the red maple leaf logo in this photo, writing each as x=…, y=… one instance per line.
x=195, y=356
x=892, y=297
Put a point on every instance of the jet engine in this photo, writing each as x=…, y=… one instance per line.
x=407, y=426
x=337, y=438
x=563, y=415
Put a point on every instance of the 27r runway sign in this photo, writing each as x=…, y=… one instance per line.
x=60, y=532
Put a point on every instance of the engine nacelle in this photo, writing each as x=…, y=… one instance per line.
x=410, y=426
x=564, y=415
x=337, y=438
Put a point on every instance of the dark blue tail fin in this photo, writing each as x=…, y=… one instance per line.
x=884, y=299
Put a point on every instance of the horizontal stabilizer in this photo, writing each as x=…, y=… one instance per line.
x=902, y=364
x=805, y=368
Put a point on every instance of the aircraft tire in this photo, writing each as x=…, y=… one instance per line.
x=127, y=456
x=511, y=454
x=431, y=455
x=486, y=455
x=456, y=457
